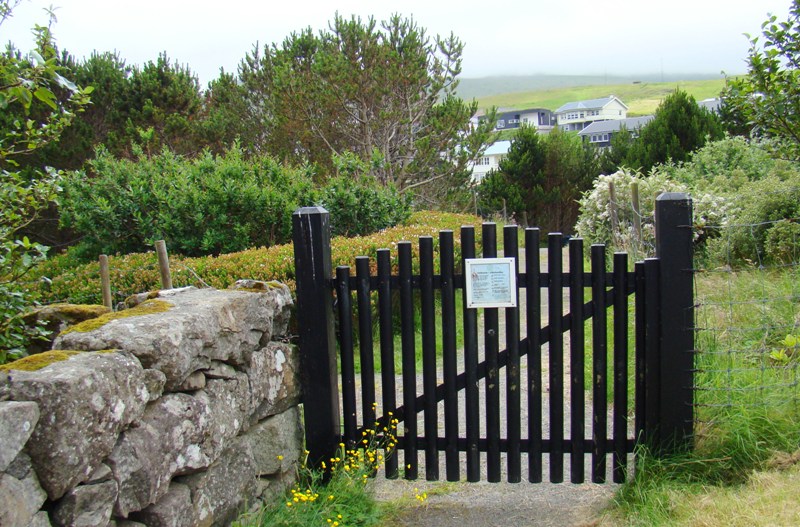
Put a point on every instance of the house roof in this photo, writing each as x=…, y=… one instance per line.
x=498, y=148
x=590, y=104
x=615, y=125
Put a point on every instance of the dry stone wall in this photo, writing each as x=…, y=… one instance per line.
x=173, y=416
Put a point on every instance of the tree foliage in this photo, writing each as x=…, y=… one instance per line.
x=211, y=204
x=384, y=92
x=766, y=101
x=679, y=127
x=38, y=103
x=542, y=178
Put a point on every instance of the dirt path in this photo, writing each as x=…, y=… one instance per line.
x=460, y=504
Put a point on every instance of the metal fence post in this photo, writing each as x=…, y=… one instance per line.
x=673, y=219
x=312, y=260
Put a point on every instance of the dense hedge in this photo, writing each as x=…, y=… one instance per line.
x=65, y=279
x=211, y=204
x=746, y=205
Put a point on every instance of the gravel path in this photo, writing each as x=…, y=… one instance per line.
x=460, y=504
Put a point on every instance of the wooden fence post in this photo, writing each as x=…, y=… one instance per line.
x=673, y=218
x=163, y=264
x=612, y=210
x=312, y=260
x=105, y=281
x=637, y=216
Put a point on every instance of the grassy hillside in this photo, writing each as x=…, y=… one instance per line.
x=642, y=98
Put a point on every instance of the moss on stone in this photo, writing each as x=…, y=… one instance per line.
x=257, y=286
x=38, y=361
x=81, y=311
x=148, y=307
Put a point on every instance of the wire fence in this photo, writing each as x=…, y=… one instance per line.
x=747, y=318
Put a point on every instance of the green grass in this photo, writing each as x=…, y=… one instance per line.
x=641, y=99
x=334, y=494
x=747, y=401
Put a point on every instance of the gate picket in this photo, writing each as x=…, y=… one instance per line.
x=620, y=462
x=599, y=364
x=556, y=361
x=513, y=407
x=348, y=366
x=449, y=360
x=429, y=357
x=365, y=346
x=389, y=397
x=491, y=350
x=471, y=366
x=409, y=417
x=534, y=347
x=577, y=349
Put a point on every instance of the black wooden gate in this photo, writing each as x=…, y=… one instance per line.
x=662, y=354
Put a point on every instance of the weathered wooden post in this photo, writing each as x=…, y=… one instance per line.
x=312, y=260
x=105, y=281
x=612, y=210
x=163, y=264
x=637, y=216
x=673, y=218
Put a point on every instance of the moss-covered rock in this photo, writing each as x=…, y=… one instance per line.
x=58, y=317
x=149, y=307
x=38, y=361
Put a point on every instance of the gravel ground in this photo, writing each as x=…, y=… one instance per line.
x=460, y=504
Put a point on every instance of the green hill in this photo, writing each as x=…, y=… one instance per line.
x=642, y=97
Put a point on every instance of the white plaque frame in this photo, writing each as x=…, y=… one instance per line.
x=490, y=282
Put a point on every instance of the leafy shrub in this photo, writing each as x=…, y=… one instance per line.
x=69, y=280
x=782, y=242
x=757, y=209
x=594, y=221
x=362, y=206
x=212, y=204
x=209, y=205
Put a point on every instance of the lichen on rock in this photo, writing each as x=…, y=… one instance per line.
x=38, y=361
x=149, y=307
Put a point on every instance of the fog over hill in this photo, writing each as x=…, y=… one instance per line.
x=470, y=88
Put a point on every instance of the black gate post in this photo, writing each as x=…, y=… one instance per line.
x=673, y=219
x=312, y=260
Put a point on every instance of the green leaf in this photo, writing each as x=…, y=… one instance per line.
x=46, y=96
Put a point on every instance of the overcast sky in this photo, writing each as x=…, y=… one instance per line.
x=520, y=37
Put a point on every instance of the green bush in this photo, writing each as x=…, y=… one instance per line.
x=210, y=205
x=594, y=220
x=782, y=242
x=70, y=280
x=759, y=208
x=362, y=206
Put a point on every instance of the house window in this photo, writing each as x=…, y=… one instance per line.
x=605, y=137
x=484, y=161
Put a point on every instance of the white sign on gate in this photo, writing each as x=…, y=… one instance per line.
x=490, y=282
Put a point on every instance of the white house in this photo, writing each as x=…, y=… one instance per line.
x=541, y=119
x=599, y=133
x=490, y=160
x=575, y=116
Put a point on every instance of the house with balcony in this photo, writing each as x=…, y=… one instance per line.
x=490, y=160
x=541, y=119
x=599, y=133
x=575, y=116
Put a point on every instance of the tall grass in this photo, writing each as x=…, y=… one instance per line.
x=746, y=394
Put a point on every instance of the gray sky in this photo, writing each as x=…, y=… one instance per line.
x=519, y=37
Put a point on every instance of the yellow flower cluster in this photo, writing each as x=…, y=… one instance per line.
x=298, y=496
x=420, y=496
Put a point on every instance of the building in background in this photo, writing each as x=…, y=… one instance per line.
x=599, y=133
x=490, y=160
x=575, y=116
